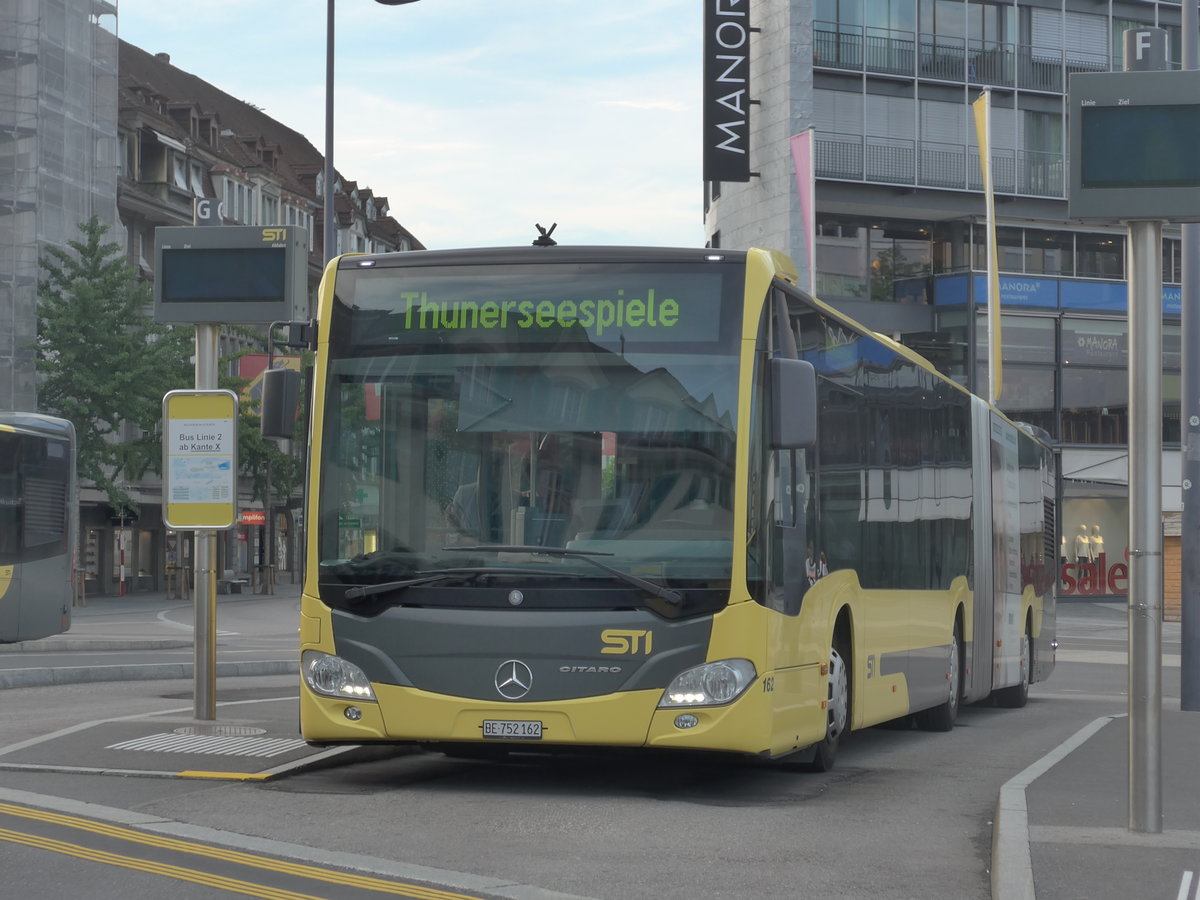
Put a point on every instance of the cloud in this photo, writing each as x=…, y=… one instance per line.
x=475, y=118
x=668, y=105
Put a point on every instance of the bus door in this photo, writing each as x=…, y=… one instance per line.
x=1006, y=552
x=979, y=664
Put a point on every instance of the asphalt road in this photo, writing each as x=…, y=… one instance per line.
x=905, y=814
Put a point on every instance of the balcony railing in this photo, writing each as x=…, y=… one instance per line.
x=887, y=51
x=895, y=161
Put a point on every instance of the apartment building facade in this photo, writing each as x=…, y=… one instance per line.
x=91, y=125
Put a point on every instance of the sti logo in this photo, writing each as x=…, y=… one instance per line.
x=271, y=235
x=626, y=642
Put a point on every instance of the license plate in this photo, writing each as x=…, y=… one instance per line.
x=512, y=729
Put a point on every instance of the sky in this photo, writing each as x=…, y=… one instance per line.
x=475, y=118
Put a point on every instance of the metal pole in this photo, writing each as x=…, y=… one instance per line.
x=1145, y=527
x=327, y=188
x=1189, y=541
x=204, y=607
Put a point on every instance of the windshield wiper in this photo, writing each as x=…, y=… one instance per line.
x=671, y=596
x=370, y=590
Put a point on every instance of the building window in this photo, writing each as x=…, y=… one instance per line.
x=1027, y=393
x=197, y=180
x=179, y=171
x=1100, y=256
x=1095, y=405
x=1050, y=253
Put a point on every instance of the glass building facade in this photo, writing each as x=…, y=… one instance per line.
x=886, y=87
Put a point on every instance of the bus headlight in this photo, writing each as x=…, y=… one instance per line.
x=333, y=676
x=711, y=684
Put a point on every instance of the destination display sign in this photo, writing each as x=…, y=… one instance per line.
x=671, y=308
x=594, y=315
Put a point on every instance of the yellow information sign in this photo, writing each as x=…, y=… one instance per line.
x=200, y=460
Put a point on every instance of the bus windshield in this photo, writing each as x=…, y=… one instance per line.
x=474, y=414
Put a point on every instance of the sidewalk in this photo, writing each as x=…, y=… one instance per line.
x=158, y=627
x=1062, y=826
x=148, y=636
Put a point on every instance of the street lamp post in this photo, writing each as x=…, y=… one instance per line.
x=330, y=246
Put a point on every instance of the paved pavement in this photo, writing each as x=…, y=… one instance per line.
x=1061, y=829
x=256, y=635
x=148, y=636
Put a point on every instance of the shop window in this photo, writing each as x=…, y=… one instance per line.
x=1095, y=342
x=1093, y=554
x=1027, y=394
x=1095, y=405
x=1172, y=431
x=1029, y=339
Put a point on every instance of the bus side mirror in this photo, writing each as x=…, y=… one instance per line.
x=280, y=401
x=793, y=404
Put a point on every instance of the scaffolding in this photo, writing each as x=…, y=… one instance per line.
x=58, y=156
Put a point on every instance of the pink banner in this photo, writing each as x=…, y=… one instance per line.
x=806, y=185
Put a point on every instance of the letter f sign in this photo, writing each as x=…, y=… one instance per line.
x=1143, y=44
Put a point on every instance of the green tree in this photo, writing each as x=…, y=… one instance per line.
x=104, y=361
x=258, y=455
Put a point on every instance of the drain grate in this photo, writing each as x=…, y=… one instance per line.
x=211, y=744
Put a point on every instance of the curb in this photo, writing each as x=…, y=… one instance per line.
x=1012, y=866
x=44, y=677
x=79, y=645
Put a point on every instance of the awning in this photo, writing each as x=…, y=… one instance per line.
x=169, y=141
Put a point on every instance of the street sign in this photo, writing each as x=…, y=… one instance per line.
x=1133, y=138
x=238, y=274
x=200, y=459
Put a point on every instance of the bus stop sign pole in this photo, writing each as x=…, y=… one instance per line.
x=1145, y=49
x=204, y=646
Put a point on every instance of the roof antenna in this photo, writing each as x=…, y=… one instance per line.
x=544, y=239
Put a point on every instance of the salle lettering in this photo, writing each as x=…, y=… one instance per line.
x=1092, y=579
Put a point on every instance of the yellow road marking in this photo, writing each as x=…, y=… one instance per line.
x=233, y=856
x=144, y=865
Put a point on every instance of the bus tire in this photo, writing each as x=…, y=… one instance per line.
x=837, y=720
x=943, y=716
x=1018, y=695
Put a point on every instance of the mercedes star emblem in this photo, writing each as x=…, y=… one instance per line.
x=513, y=679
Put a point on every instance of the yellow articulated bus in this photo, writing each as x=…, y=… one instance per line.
x=636, y=497
x=39, y=520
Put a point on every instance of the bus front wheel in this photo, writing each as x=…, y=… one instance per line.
x=837, y=710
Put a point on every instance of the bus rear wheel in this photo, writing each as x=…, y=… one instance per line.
x=943, y=716
x=837, y=709
x=1017, y=696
